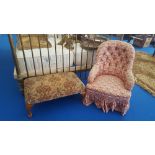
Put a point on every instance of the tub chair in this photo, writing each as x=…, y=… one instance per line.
x=111, y=80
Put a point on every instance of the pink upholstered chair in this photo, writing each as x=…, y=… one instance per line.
x=111, y=80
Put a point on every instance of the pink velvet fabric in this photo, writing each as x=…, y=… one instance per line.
x=111, y=80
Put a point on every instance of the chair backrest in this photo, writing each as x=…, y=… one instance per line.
x=116, y=57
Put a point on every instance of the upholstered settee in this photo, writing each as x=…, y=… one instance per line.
x=111, y=79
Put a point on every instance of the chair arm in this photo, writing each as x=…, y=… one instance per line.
x=129, y=80
x=94, y=72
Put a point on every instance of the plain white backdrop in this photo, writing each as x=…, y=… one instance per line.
x=77, y=16
x=76, y=138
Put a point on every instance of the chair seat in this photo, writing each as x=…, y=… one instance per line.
x=109, y=84
x=48, y=87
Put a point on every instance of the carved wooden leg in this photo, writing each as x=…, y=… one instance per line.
x=29, y=108
x=83, y=94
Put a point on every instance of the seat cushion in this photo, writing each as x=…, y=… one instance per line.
x=109, y=84
x=48, y=87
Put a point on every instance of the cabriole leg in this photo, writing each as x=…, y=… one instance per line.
x=28, y=109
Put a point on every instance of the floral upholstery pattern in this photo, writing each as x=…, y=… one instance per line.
x=109, y=84
x=111, y=79
x=47, y=87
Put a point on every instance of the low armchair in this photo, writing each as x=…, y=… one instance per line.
x=111, y=80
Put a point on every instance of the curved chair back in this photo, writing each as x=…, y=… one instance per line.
x=116, y=57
